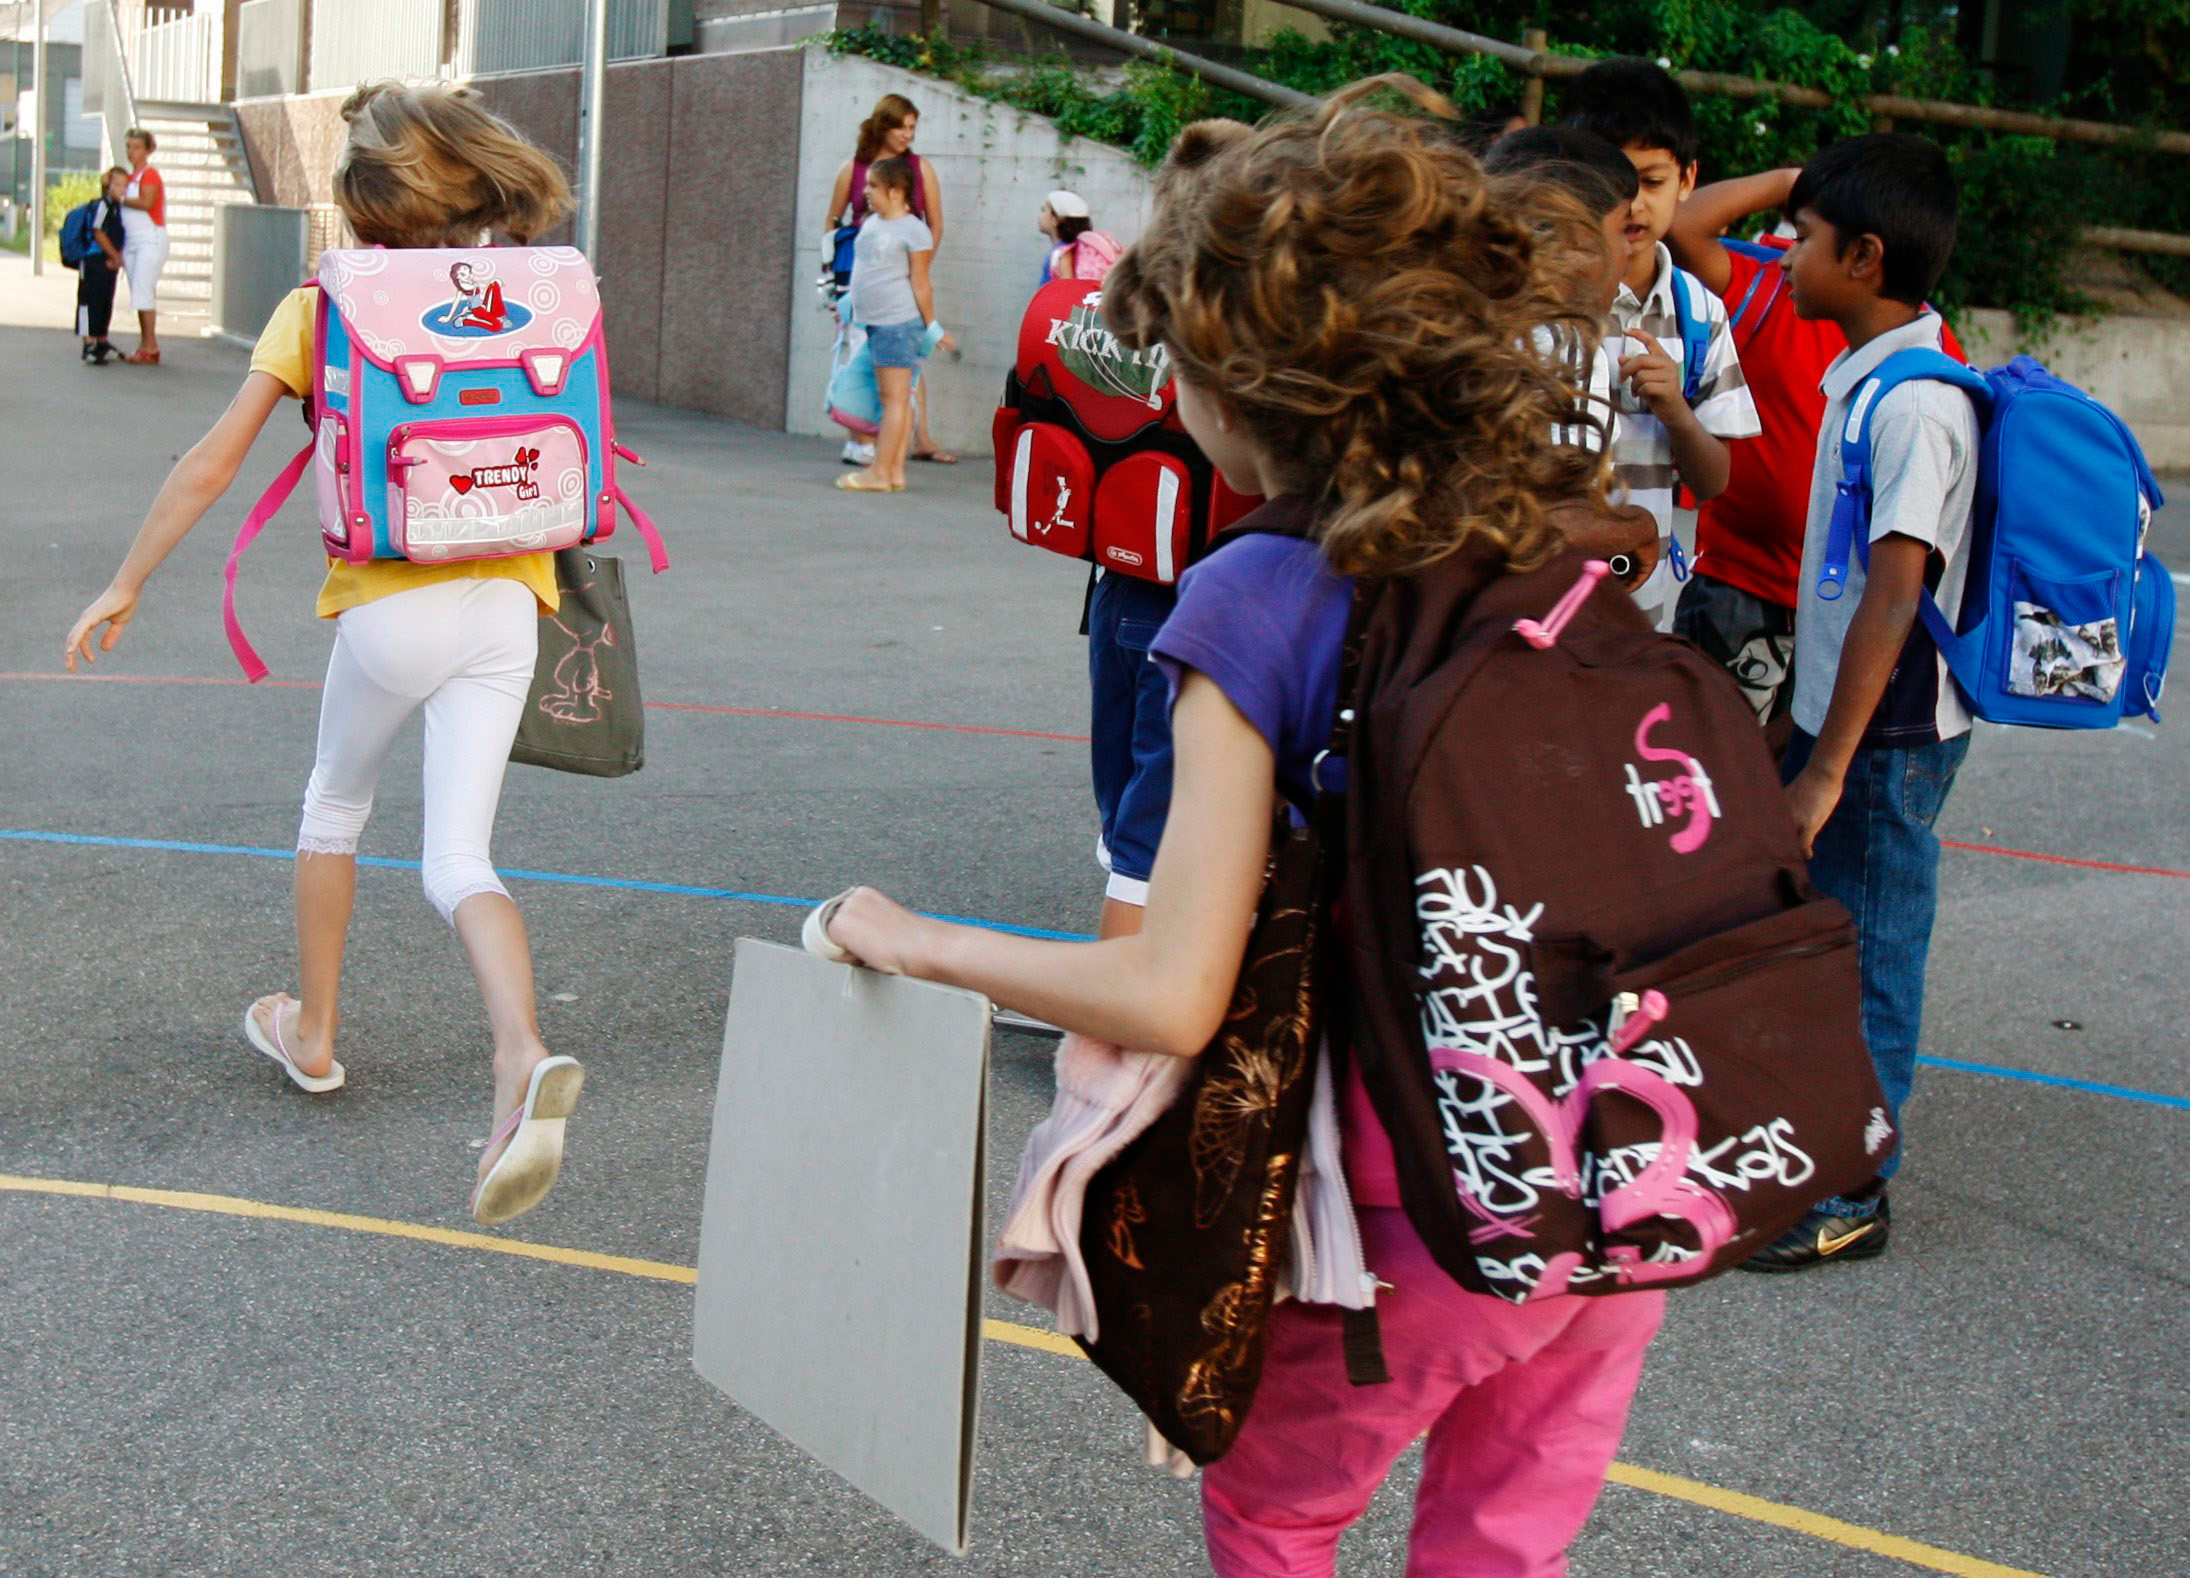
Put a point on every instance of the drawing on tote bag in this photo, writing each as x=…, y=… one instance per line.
x=578, y=692
x=584, y=713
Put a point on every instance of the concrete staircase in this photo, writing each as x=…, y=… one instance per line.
x=201, y=158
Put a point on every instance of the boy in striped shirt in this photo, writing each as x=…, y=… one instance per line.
x=1675, y=421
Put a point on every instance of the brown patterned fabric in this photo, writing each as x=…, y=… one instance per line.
x=1186, y=1229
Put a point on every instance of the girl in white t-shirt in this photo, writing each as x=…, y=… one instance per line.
x=894, y=302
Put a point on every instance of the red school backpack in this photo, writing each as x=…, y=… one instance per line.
x=1613, y=1032
x=1092, y=461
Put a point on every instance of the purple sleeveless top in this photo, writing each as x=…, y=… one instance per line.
x=859, y=189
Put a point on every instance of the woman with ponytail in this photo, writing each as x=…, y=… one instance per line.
x=422, y=167
x=888, y=134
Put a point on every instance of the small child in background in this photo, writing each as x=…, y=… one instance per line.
x=1676, y=418
x=1079, y=250
x=893, y=299
x=1739, y=604
x=1880, y=730
x=1598, y=176
x=1129, y=744
x=96, y=276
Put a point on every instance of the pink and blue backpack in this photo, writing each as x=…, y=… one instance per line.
x=459, y=409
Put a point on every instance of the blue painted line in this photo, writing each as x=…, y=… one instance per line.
x=736, y=896
x=2062, y=1081
x=566, y=878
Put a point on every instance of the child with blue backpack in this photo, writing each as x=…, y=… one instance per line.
x=422, y=167
x=94, y=235
x=1683, y=395
x=1976, y=547
x=1880, y=728
x=1738, y=606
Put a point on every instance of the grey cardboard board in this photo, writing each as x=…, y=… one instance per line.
x=842, y=1233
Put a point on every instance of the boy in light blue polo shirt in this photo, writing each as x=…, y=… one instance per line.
x=1880, y=730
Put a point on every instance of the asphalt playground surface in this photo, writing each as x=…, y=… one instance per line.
x=883, y=690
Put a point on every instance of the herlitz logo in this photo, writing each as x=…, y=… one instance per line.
x=518, y=474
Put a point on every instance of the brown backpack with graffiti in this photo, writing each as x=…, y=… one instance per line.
x=1474, y=752
x=1611, y=1029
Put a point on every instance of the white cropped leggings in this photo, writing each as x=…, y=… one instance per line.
x=461, y=651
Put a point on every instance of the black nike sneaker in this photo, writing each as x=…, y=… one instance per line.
x=1821, y=1237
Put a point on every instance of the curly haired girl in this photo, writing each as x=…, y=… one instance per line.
x=1362, y=329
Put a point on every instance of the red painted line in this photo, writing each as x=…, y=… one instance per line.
x=162, y=679
x=2063, y=860
x=663, y=706
x=873, y=723
x=975, y=728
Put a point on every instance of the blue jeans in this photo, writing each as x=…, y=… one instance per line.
x=1130, y=726
x=1877, y=854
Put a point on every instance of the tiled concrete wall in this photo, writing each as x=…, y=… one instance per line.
x=2136, y=367
x=699, y=189
x=293, y=143
x=697, y=180
x=732, y=201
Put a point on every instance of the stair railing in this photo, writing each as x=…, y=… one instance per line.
x=106, y=77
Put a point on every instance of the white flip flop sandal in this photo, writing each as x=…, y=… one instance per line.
x=522, y=1175
x=317, y=1084
x=814, y=935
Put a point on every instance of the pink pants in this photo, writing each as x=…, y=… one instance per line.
x=1524, y=1405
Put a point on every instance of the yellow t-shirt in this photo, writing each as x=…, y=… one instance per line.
x=285, y=351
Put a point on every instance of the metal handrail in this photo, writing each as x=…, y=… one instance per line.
x=118, y=118
x=1179, y=60
x=1891, y=106
x=1540, y=63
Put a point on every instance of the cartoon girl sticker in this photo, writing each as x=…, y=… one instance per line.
x=478, y=304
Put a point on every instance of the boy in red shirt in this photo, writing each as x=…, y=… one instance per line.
x=1738, y=605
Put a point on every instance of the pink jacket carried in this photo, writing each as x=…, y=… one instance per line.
x=1105, y=1098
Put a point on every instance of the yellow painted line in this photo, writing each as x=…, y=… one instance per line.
x=1732, y=1502
x=624, y=1265
x=230, y=1205
x=1816, y=1524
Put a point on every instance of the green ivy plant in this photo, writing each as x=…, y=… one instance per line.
x=2024, y=199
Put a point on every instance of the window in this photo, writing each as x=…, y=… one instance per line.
x=78, y=130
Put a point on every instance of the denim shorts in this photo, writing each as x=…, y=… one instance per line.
x=897, y=344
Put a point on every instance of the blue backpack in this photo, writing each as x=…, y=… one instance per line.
x=1691, y=317
x=1763, y=290
x=78, y=235
x=1692, y=321
x=2066, y=621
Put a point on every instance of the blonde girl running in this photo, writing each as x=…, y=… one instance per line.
x=422, y=167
